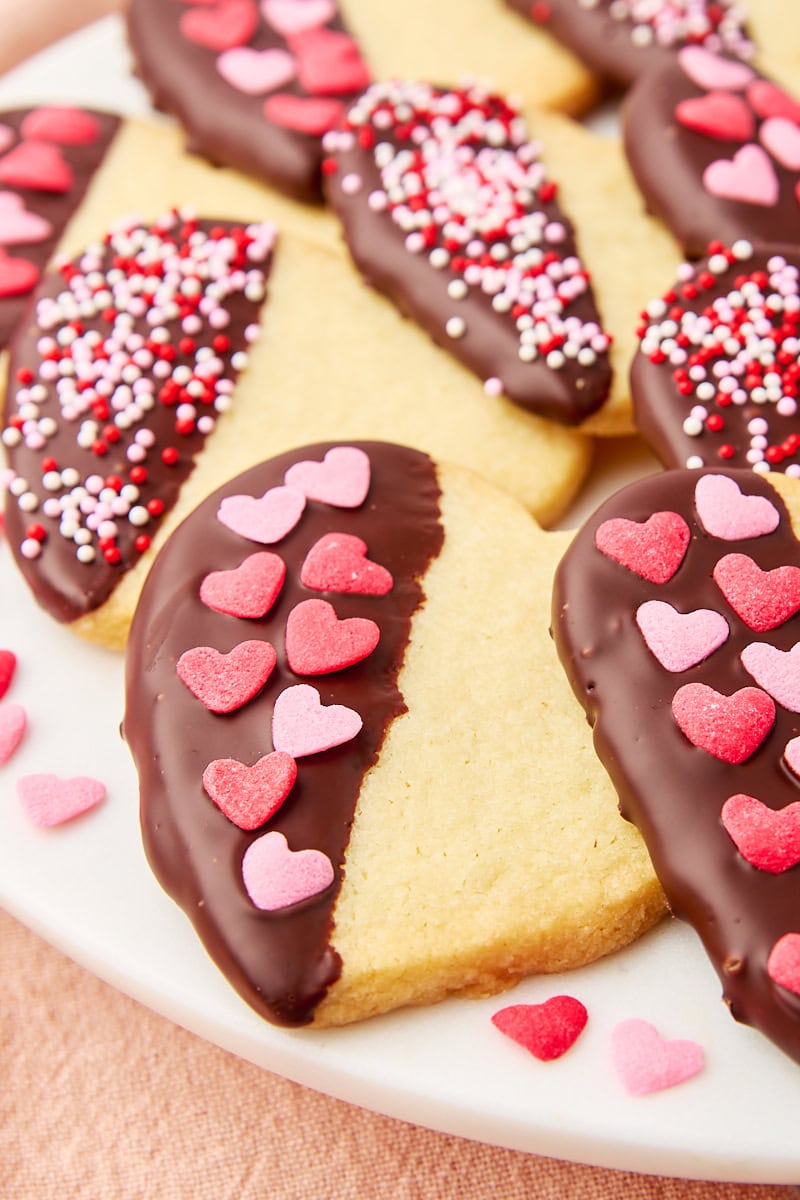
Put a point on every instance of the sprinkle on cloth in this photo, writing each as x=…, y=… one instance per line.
x=716, y=377
x=547, y=1030
x=132, y=359
x=447, y=208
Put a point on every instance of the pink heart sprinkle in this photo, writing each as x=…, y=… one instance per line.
x=275, y=876
x=546, y=1030
x=249, y=590
x=646, y=1062
x=729, y=727
x=267, y=519
x=224, y=682
x=341, y=479
x=255, y=72
x=767, y=838
x=63, y=124
x=288, y=17
x=317, y=642
x=37, y=165
x=13, y=723
x=19, y=224
x=249, y=796
x=313, y=115
x=228, y=24
x=653, y=549
x=728, y=514
x=302, y=725
x=769, y=100
x=338, y=563
x=49, y=800
x=680, y=640
x=749, y=177
x=709, y=71
x=781, y=137
x=8, y=665
x=776, y=671
x=763, y=599
x=18, y=276
x=791, y=755
x=7, y=137
x=718, y=115
x=783, y=964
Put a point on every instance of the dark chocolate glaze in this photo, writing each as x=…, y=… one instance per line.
x=282, y=963
x=668, y=161
x=672, y=790
x=660, y=409
x=221, y=123
x=65, y=587
x=55, y=207
x=490, y=345
x=600, y=41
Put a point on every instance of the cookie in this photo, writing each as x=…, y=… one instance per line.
x=256, y=85
x=715, y=148
x=48, y=157
x=675, y=614
x=715, y=380
x=305, y=632
x=621, y=39
x=448, y=209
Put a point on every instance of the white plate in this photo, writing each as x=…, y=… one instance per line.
x=86, y=888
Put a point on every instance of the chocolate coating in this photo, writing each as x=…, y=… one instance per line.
x=282, y=963
x=672, y=790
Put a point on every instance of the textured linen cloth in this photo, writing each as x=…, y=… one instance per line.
x=100, y=1099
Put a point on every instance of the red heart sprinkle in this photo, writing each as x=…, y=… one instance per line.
x=8, y=665
x=63, y=124
x=17, y=275
x=767, y=838
x=729, y=727
x=783, y=964
x=249, y=796
x=547, y=1030
x=329, y=62
x=763, y=599
x=718, y=115
x=224, y=682
x=338, y=563
x=653, y=549
x=37, y=165
x=317, y=642
x=313, y=115
x=228, y=24
x=249, y=590
x=769, y=100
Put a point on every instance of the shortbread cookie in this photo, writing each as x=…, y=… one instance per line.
x=675, y=614
x=715, y=148
x=48, y=157
x=355, y=813
x=448, y=208
x=716, y=378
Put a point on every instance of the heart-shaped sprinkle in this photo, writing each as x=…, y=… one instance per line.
x=783, y=964
x=318, y=642
x=653, y=549
x=710, y=72
x=224, y=682
x=13, y=723
x=221, y=27
x=19, y=224
x=61, y=123
x=249, y=796
x=37, y=165
x=302, y=725
x=776, y=671
x=290, y=17
x=7, y=137
x=50, y=800
x=725, y=512
x=313, y=115
x=341, y=479
x=8, y=665
x=791, y=755
x=329, y=63
x=647, y=1062
x=749, y=177
x=547, y=1030
x=769, y=100
x=767, y=838
x=338, y=563
x=256, y=72
x=276, y=876
x=680, y=640
x=17, y=275
x=781, y=137
x=729, y=727
x=249, y=590
x=266, y=519
x=763, y=599
x=720, y=115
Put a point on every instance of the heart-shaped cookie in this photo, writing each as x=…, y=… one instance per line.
x=702, y=759
x=428, y=893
